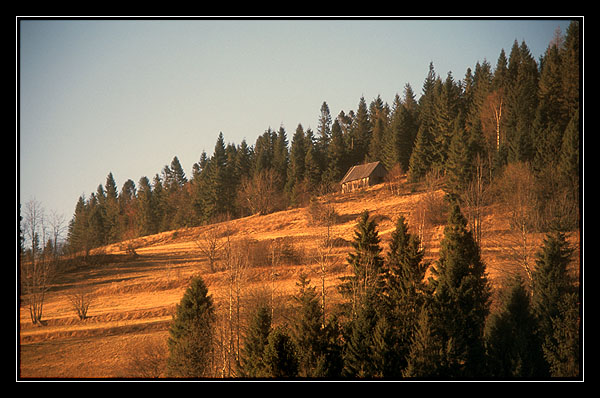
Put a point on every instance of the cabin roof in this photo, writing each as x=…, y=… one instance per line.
x=359, y=171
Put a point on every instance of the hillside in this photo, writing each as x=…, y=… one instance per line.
x=137, y=284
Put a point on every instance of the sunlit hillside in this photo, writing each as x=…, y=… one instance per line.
x=135, y=285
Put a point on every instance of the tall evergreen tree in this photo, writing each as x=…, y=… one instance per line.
x=312, y=166
x=513, y=347
x=281, y=158
x=324, y=127
x=191, y=333
x=358, y=353
x=336, y=155
x=360, y=133
x=366, y=262
x=296, y=165
x=110, y=210
x=460, y=301
x=317, y=349
x=403, y=290
x=552, y=286
x=252, y=361
x=280, y=356
x=146, y=220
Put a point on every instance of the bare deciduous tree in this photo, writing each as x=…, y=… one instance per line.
x=80, y=300
x=475, y=198
x=38, y=268
x=517, y=192
x=210, y=243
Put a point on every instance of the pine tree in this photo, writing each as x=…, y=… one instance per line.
x=460, y=301
x=191, y=333
x=378, y=118
x=360, y=134
x=421, y=159
x=146, y=219
x=552, y=285
x=562, y=351
x=214, y=196
x=280, y=355
x=403, y=290
x=366, y=262
x=423, y=155
x=312, y=166
x=513, y=347
x=306, y=330
x=295, y=171
x=281, y=158
x=110, y=210
x=336, y=155
x=324, y=127
x=358, y=353
x=252, y=362
x=427, y=353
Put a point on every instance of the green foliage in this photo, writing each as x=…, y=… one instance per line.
x=191, y=333
x=318, y=350
x=252, y=361
x=396, y=324
x=513, y=347
x=280, y=356
x=460, y=302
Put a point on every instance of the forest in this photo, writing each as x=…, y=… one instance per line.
x=512, y=125
x=522, y=112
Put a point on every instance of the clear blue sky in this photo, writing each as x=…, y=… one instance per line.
x=126, y=96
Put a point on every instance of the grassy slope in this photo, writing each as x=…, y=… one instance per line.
x=135, y=296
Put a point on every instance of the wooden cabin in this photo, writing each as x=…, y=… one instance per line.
x=363, y=175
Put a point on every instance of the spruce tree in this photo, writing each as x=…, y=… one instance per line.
x=280, y=356
x=358, y=352
x=252, y=360
x=403, y=289
x=360, y=134
x=306, y=330
x=460, y=300
x=426, y=358
x=513, y=347
x=191, y=333
x=336, y=155
x=366, y=262
x=553, y=291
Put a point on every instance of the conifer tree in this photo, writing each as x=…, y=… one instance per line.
x=191, y=334
x=252, y=361
x=146, y=220
x=296, y=165
x=403, y=290
x=317, y=354
x=324, y=127
x=426, y=359
x=336, y=155
x=460, y=300
x=358, y=352
x=110, y=210
x=360, y=134
x=513, y=347
x=312, y=166
x=366, y=262
x=280, y=356
x=553, y=290
x=281, y=158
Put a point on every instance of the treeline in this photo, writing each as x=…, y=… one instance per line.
x=522, y=112
x=395, y=322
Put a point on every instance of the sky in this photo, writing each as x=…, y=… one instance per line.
x=125, y=96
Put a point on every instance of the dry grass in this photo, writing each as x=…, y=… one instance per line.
x=134, y=297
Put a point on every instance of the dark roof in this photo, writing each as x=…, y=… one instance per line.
x=360, y=171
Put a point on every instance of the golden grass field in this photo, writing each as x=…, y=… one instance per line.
x=134, y=296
